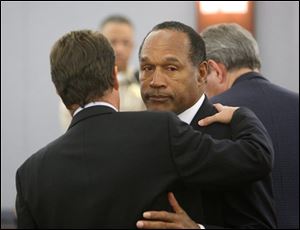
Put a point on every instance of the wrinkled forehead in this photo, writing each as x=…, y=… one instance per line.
x=166, y=43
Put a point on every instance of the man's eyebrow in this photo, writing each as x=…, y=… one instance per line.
x=172, y=59
x=144, y=59
x=166, y=59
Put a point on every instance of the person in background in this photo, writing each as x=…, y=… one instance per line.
x=234, y=78
x=173, y=71
x=110, y=166
x=119, y=31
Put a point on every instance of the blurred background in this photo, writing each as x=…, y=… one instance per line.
x=29, y=104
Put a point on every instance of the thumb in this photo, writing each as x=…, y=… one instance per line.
x=173, y=202
x=219, y=107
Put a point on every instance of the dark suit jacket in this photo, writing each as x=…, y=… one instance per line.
x=243, y=206
x=109, y=167
x=278, y=109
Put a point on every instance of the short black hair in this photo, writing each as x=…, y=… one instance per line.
x=117, y=19
x=197, y=47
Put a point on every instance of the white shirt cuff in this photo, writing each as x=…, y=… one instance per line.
x=201, y=226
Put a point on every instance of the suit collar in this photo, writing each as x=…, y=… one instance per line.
x=248, y=76
x=90, y=112
x=187, y=115
x=207, y=109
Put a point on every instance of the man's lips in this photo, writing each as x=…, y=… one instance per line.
x=158, y=98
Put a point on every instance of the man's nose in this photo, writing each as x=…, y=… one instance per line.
x=158, y=79
x=119, y=48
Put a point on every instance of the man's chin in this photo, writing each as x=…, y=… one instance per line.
x=159, y=107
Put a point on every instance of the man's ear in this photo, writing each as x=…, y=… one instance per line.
x=202, y=69
x=220, y=69
x=115, y=77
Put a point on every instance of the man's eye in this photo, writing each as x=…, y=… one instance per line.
x=126, y=43
x=172, y=68
x=113, y=42
x=146, y=68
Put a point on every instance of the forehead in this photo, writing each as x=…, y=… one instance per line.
x=117, y=29
x=164, y=43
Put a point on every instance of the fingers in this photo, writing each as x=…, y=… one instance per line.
x=219, y=107
x=208, y=120
x=224, y=115
x=162, y=219
x=159, y=215
x=158, y=220
x=173, y=202
x=144, y=224
x=211, y=119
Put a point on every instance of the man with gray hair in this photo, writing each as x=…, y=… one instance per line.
x=234, y=79
x=233, y=50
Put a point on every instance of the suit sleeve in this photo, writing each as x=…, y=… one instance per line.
x=200, y=159
x=24, y=218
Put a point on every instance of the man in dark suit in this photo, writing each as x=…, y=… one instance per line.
x=119, y=30
x=234, y=79
x=172, y=80
x=109, y=167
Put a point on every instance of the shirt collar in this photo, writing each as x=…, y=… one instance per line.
x=94, y=104
x=188, y=115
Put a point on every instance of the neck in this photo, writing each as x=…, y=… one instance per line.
x=235, y=74
x=111, y=97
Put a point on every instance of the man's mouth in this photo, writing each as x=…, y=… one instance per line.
x=158, y=98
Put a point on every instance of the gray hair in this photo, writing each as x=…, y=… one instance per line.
x=231, y=45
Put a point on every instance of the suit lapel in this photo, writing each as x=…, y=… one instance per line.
x=207, y=109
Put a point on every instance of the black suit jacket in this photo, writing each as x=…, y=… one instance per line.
x=278, y=109
x=110, y=167
x=244, y=206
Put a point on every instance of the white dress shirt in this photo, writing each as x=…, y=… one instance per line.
x=94, y=104
x=188, y=115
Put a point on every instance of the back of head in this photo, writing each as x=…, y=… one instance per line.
x=197, y=52
x=231, y=45
x=82, y=64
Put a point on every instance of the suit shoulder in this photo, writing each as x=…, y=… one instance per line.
x=38, y=156
x=286, y=92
